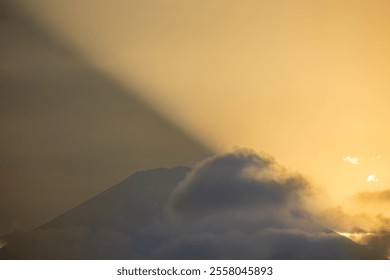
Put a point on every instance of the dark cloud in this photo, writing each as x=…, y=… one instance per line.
x=267, y=243
x=379, y=242
x=235, y=206
x=245, y=206
x=365, y=219
x=367, y=211
x=236, y=181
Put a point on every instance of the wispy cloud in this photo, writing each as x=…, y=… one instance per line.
x=351, y=160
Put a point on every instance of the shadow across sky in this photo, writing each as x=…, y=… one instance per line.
x=67, y=130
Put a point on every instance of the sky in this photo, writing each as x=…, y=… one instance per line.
x=303, y=81
x=69, y=132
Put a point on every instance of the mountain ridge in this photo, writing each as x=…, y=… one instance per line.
x=129, y=186
x=129, y=221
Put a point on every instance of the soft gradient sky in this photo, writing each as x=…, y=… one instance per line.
x=68, y=131
x=305, y=81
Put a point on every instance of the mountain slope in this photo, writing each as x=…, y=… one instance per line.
x=133, y=220
x=127, y=205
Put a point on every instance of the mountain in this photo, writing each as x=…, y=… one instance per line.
x=126, y=206
x=134, y=220
x=119, y=212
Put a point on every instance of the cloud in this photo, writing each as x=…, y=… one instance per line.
x=351, y=160
x=372, y=178
x=268, y=243
x=349, y=220
x=243, y=205
x=235, y=182
x=240, y=205
x=379, y=242
x=373, y=197
x=365, y=219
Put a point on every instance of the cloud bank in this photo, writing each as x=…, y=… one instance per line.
x=364, y=218
x=239, y=205
x=235, y=182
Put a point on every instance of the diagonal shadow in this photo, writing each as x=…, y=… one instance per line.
x=67, y=130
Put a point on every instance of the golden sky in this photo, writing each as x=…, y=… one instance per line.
x=304, y=81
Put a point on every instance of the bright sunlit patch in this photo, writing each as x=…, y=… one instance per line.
x=372, y=178
x=358, y=237
x=351, y=160
x=362, y=238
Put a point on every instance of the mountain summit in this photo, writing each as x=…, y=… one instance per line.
x=237, y=206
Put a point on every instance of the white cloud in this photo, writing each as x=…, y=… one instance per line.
x=372, y=178
x=351, y=160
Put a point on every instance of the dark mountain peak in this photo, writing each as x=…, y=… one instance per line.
x=135, y=200
x=130, y=221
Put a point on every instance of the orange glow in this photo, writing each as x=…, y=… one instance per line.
x=304, y=81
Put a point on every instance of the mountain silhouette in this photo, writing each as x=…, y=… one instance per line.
x=131, y=220
x=126, y=206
